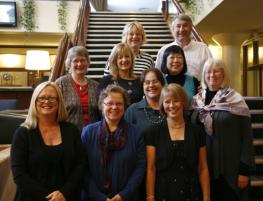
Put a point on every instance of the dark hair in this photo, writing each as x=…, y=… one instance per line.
x=157, y=73
x=175, y=49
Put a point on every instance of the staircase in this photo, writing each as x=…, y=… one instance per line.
x=255, y=105
x=105, y=30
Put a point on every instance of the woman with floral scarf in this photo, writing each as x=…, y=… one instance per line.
x=226, y=119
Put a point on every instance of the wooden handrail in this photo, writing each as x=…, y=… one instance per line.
x=79, y=38
x=180, y=9
x=58, y=68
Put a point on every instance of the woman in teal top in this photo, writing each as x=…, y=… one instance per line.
x=174, y=67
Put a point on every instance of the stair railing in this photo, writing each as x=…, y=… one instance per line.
x=254, y=64
x=79, y=38
x=180, y=9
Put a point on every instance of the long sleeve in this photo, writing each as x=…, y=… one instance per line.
x=27, y=185
x=139, y=171
x=247, y=151
x=79, y=165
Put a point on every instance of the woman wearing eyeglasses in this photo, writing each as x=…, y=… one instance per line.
x=47, y=158
x=115, y=152
x=79, y=92
x=146, y=113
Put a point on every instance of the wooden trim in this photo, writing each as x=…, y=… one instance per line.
x=244, y=69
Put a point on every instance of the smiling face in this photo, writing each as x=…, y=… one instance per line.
x=152, y=86
x=173, y=108
x=113, y=107
x=124, y=61
x=182, y=30
x=47, y=102
x=79, y=65
x=175, y=63
x=135, y=38
x=214, y=78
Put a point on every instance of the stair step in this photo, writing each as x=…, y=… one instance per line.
x=109, y=50
x=120, y=31
x=123, y=13
x=127, y=19
x=259, y=159
x=257, y=125
x=119, y=40
x=149, y=36
x=258, y=142
x=256, y=181
x=256, y=112
x=111, y=45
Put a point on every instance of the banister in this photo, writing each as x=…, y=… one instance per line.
x=180, y=9
x=79, y=38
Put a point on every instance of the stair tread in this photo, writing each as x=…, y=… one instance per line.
x=259, y=159
x=256, y=111
x=257, y=125
x=256, y=180
x=258, y=142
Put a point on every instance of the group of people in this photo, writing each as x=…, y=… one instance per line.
x=176, y=131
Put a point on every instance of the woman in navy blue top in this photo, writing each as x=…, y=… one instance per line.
x=115, y=152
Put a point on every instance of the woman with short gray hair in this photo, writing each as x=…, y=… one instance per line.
x=226, y=119
x=79, y=92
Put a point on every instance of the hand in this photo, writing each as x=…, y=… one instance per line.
x=56, y=196
x=116, y=198
x=242, y=181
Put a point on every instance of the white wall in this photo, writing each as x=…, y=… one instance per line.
x=47, y=17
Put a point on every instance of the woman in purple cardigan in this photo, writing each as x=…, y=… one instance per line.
x=115, y=152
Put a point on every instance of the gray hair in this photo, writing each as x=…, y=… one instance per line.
x=76, y=51
x=182, y=17
x=213, y=63
x=32, y=117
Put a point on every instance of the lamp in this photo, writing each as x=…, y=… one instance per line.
x=37, y=60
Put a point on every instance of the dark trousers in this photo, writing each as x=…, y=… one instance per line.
x=221, y=191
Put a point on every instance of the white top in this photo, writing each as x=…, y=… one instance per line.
x=196, y=54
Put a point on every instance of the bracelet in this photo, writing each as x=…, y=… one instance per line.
x=150, y=196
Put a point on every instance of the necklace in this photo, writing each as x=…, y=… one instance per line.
x=177, y=126
x=83, y=87
x=153, y=116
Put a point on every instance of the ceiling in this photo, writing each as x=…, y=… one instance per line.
x=134, y=5
x=231, y=16
x=234, y=17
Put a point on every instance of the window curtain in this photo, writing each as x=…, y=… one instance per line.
x=99, y=5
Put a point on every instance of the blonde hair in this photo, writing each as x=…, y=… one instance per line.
x=213, y=63
x=128, y=28
x=32, y=117
x=112, y=62
x=177, y=92
x=76, y=51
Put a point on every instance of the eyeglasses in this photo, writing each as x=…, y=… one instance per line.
x=110, y=104
x=50, y=99
x=78, y=60
x=216, y=72
x=148, y=82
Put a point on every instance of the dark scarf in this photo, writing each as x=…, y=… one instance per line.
x=109, y=142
